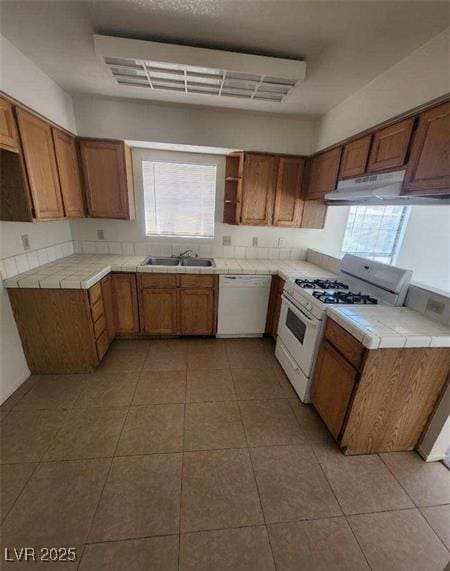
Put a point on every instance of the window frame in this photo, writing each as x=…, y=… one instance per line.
x=398, y=239
x=143, y=154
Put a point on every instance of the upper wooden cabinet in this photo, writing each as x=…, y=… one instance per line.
x=69, y=177
x=8, y=132
x=39, y=155
x=322, y=174
x=354, y=157
x=428, y=171
x=258, y=189
x=390, y=146
x=108, y=179
x=288, y=202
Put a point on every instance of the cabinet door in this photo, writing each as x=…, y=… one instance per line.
x=322, y=174
x=354, y=157
x=8, y=131
x=105, y=178
x=40, y=161
x=332, y=387
x=125, y=305
x=428, y=169
x=196, y=311
x=258, y=189
x=390, y=145
x=159, y=311
x=108, y=306
x=69, y=176
x=288, y=203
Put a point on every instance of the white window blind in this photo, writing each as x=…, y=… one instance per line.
x=375, y=232
x=179, y=199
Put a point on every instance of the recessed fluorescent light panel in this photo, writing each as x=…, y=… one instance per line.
x=198, y=71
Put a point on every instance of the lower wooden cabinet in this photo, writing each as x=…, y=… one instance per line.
x=56, y=327
x=125, y=303
x=333, y=387
x=196, y=308
x=159, y=311
x=178, y=304
x=377, y=400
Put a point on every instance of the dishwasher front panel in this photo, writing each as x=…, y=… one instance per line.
x=243, y=302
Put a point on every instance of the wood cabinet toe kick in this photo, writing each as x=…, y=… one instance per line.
x=377, y=400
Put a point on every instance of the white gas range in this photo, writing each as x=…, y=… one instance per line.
x=304, y=304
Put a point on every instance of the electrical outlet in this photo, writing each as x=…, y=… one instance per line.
x=435, y=306
x=100, y=234
x=255, y=241
x=26, y=242
x=281, y=242
x=226, y=241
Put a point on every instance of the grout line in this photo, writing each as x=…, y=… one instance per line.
x=182, y=473
x=415, y=506
x=108, y=473
x=20, y=493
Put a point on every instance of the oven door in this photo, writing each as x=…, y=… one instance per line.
x=299, y=331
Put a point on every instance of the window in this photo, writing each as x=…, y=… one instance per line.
x=375, y=232
x=179, y=199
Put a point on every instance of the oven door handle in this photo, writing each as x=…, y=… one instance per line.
x=297, y=310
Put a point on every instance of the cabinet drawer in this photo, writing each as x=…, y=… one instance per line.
x=95, y=293
x=97, y=310
x=196, y=281
x=102, y=345
x=99, y=326
x=345, y=343
x=159, y=280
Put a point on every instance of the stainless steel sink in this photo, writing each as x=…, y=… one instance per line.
x=153, y=261
x=198, y=262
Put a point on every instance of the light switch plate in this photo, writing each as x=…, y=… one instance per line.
x=100, y=234
x=255, y=241
x=26, y=242
x=226, y=241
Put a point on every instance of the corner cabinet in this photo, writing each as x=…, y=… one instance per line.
x=354, y=157
x=322, y=174
x=108, y=178
x=377, y=400
x=428, y=171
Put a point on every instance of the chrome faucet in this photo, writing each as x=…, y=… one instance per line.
x=187, y=254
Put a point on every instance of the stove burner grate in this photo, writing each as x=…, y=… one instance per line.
x=344, y=297
x=321, y=284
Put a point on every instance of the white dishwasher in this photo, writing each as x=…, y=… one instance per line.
x=243, y=302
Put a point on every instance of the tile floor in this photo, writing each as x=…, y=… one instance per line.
x=197, y=455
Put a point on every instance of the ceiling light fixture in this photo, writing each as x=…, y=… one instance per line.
x=199, y=71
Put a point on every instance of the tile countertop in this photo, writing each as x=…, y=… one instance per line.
x=82, y=271
x=379, y=326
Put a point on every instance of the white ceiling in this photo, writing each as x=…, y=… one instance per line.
x=345, y=44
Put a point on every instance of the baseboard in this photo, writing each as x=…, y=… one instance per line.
x=17, y=383
x=430, y=458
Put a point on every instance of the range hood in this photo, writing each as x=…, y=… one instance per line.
x=377, y=189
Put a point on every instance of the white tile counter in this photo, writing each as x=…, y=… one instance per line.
x=82, y=271
x=379, y=326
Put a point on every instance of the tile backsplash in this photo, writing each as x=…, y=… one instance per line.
x=158, y=248
x=14, y=265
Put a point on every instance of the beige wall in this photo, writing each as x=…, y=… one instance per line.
x=21, y=79
x=140, y=121
x=420, y=77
